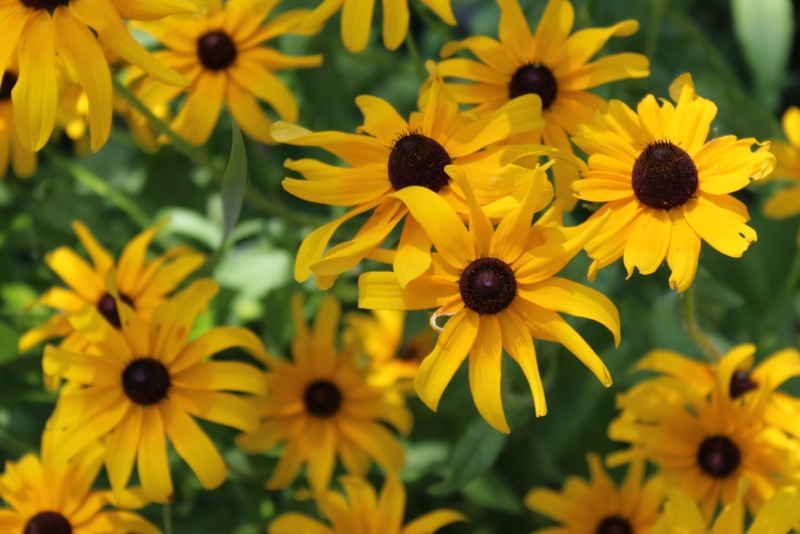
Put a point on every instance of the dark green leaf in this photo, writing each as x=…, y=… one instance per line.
x=234, y=184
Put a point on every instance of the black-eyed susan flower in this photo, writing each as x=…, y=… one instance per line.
x=143, y=284
x=397, y=154
x=320, y=407
x=786, y=202
x=681, y=515
x=381, y=337
x=499, y=289
x=598, y=505
x=357, y=19
x=359, y=509
x=23, y=160
x=42, y=33
x=141, y=385
x=666, y=188
x=705, y=444
x=50, y=498
x=223, y=55
x=549, y=63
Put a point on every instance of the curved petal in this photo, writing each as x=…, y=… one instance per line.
x=382, y=291
x=648, y=241
x=413, y=256
x=356, y=22
x=198, y=115
x=193, y=445
x=395, y=22
x=293, y=523
x=121, y=449
x=683, y=252
x=442, y=9
x=381, y=120
x=514, y=31
x=604, y=70
x=432, y=521
x=266, y=86
x=379, y=443
x=248, y=114
x=217, y=340
x=151, y=459
x=485, y=373
x=222, y=408
x=221, y=376
x=519, y=344
x=716, y=220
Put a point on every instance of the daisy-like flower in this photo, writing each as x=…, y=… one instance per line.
x=499, y=288
x=598, y=506
x=223, y=56
x=704, y=445
x=357, y=19
x=549, y=63
x=40, y=33
x=23, y=161
x=665, y=187
x=50, y=498
x=142, y=384
x=361, y=510
x=320, y=407
x=381, y=338
x=142, y=284
x=681, y=515
x=786, y=202
x=395, y=155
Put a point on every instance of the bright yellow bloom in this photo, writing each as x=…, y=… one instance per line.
x=142, y=284
x=46, y=497
x=142, y=384
x=665, y=187
x=320, y=407
x=223, y=56
x=23, y=161
x=361, y=510
x=681, y=515
x=397, y=154
x=357, y=19
x=549, y=63
x=499, y=288
x=598, y=506
x=786, y=202
x=705, y=444
x=42, y=33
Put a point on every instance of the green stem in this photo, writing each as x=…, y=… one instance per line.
x=98, y=185
x=167, y=515
x=693, y=330
x=784, y=301
x=655, y=27
x=430, y=22
x=419, y=68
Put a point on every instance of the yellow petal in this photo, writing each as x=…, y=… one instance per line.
x=293, y=522
x=378, y=442
x=193, y=445
x=218, y=340
x=121, y=449
x=266, y=86
x=381, y=120
x=442, y=9
x=648, y=241
x=604, y=70
x=553, y=29
x=395, y=22
x=433, y=521
x=381, y=291
x=248, y=114
x=485, y=366
x=519, y=344
x=714, y=218
x=198, y=116
x=514, y=31
x=683, y=252
x=223, y=408
x=510, y=238
x=356, y=22
x=413, y=253
x=152, y=458
x=221, y=376
x=353, y=149
x=153, y=9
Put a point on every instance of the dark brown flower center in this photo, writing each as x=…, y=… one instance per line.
x=614, y=525
x=741, y=383
x=8, y=83
x=409, y=353
x=49, y=5
x=47, y=523
x=417, y=159
x=107, y=307
x=718, y=456
x=664, y=176
x=145, y=381
x=216, y=50
x=322, y=398
x=534, y=79
x=487, y=286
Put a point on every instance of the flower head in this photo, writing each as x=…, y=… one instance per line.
x=50, y=31
x=398, y=154
x=320, y=407
x=361, y=510
x=666, y=188
x=142, y=384
x=600, y=507
x=223, y=55
x=786, y=202
x=549, y=63
x=499, y=289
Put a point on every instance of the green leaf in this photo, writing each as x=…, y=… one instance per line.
x=764, y=30
x=234, y=183
x=474, y=454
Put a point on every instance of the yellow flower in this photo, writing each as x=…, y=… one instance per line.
x=140, y=385
x=51, y=498
x=665, y=187
x=321, y=407
x=23, y=161
x=223, y=56
x=357, y=19
x=361, y=510
x=142, y=284
x=681, y=515
x=381, y=337
x=551, y=64
x=44, y=32
x=397, y=154
x=704, y=445
x=786, y=202
x=499, y=288
x=598, y=506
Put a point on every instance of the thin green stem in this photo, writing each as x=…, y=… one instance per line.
x=166, y=511
x=689, y=318
x=655, y=27
x=419, y=68
x=784, y=300
x=98, y=186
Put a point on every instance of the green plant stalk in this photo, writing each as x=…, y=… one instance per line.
x=430, y=22
x=694, y=331
x=419, y=68
x=99, y=186
x=167, y=516
x=655, y=27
